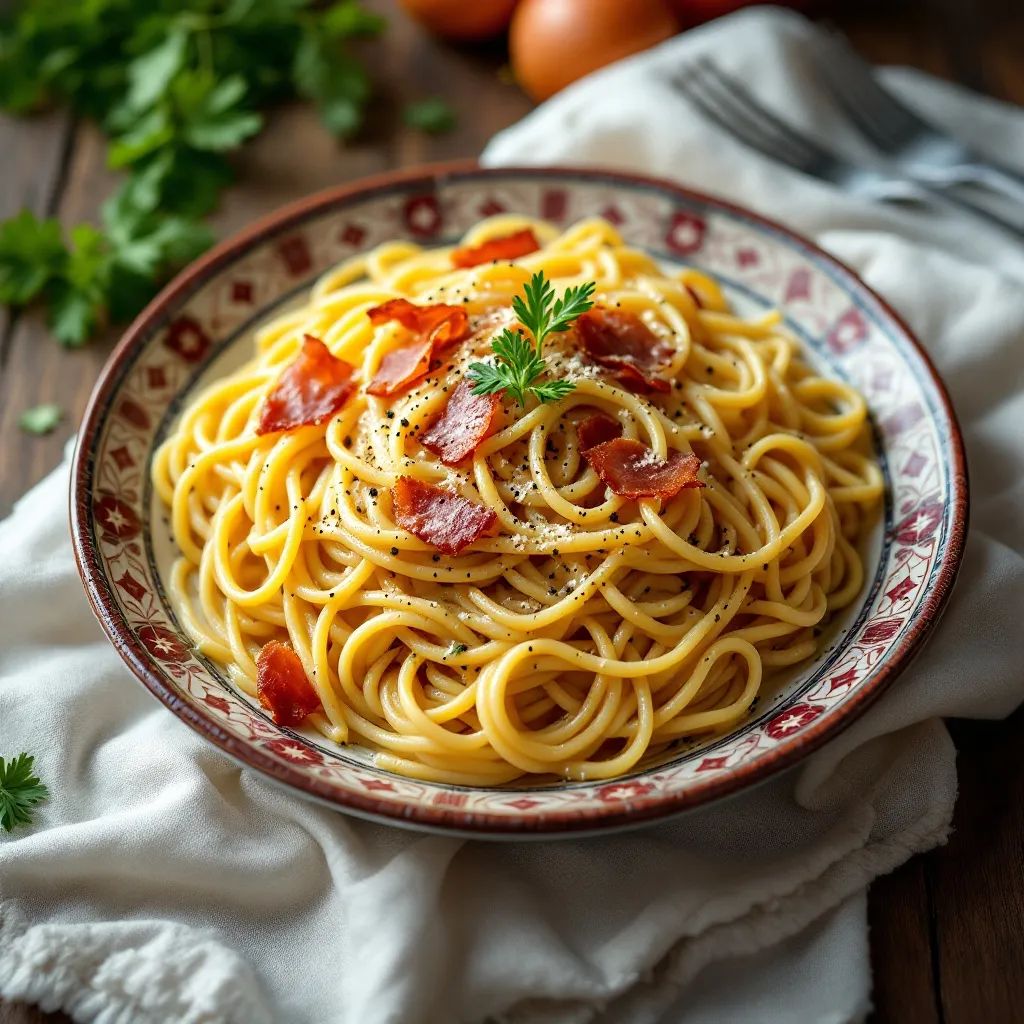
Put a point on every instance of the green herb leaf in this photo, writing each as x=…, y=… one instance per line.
x=150, y=75
x=176, y=87
x=518, y=364
x=78, y=301
x=172, y=181
x=455, y=649
x=213, y=112
x=543, y=314
x=433, y=116
x=20, y=790
x=148, y=134
x=74, y=315
x=348, y=20
x=332, y=78
x=41, y=419
x=552, y=390
x=31, y=255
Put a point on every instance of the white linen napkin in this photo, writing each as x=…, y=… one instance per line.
x=161, y=882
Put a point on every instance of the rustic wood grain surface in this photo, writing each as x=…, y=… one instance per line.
x=946, y=929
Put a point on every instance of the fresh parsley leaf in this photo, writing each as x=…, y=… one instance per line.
x=488, y=378
x=176, y=86
x=515, y=370
x=213, y=113
x=552, y=390
x=542, y=314
x=145, y=252
x=348, y=20
x=20, y=790
x=21, y=87
x=326, y=73
x=31, y=255
x=99, y=274
x=455, y=649
x=433, y=116
x=40, y=419
x=78, y=300
x=74, y=315
x=148, y=134
x=179, y=181
x=518, y=364
x=52, y=50
x=150, y=74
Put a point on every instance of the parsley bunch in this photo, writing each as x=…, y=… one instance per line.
x=101, y=274
x=176, y=85
x=20, y=790
x=519, y=364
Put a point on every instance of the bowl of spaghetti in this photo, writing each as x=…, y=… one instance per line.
x=518, y=501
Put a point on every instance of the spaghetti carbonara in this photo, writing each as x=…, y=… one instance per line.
x=484, y=592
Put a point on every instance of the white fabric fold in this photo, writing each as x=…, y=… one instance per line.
x=163, y=882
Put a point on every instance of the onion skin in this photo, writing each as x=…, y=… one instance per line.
x=462, y=20
x=554, y=42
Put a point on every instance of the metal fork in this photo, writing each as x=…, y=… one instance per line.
x=920, y=150
x=729, y=104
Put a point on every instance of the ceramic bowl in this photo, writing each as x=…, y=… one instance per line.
x=201, y=325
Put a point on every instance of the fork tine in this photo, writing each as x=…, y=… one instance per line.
x=741, y=101
x=877, y=113
x=727, y=103
x=726, y=113
x=873, y=131
x=738, y=124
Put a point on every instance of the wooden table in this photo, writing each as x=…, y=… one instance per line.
x=946, y=928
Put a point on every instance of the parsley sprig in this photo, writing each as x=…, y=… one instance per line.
x=176, y=87
x=518, y=364
x=20, y=790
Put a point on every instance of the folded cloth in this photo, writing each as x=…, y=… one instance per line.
x=161, y=882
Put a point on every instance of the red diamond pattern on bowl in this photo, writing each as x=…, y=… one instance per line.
x=792, y=719
x=422, y=215
x=685, y=234
x=188, y=338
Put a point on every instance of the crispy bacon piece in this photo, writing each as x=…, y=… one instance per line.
x=439, y=517
x=439, y=327
x=401, y=367
x=597, y=429
x=311, y=390
x=282, y=686
x=443, y=324
x=632, y=470
x=465, y=422
x=504, y=247
x=622, y=342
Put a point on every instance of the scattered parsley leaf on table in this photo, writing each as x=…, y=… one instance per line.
x=19, y=791
x=40, y=419
x=518, y=364
x=433, y=116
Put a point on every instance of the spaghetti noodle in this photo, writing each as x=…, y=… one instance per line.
x=588, y=627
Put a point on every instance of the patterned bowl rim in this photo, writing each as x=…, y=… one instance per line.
x=433, y=817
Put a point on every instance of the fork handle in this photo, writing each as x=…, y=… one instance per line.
x=999, y=180
x=981, y=212
x=1002, y=182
